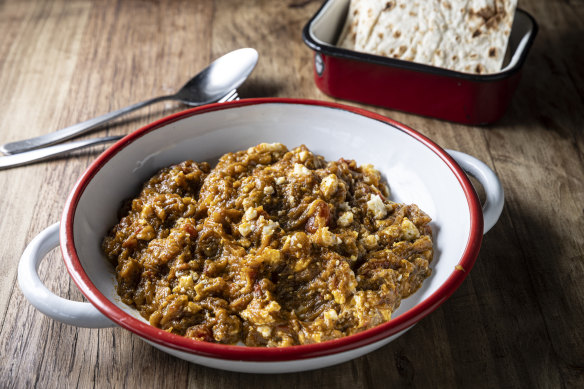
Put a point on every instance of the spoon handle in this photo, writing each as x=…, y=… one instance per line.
x=74, y=130
x=28, y=157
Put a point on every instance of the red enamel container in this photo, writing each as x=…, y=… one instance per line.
x=412, y=87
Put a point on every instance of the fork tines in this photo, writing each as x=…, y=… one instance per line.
x=231, y=96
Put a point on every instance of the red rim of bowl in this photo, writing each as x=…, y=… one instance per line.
x=257, y=354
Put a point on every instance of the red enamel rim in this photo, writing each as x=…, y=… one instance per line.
x=244, y=353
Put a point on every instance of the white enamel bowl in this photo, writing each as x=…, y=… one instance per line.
x=417, y=170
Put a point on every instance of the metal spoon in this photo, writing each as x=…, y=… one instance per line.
x=37, y=155
x=214, y=82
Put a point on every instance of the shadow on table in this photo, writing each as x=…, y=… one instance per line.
x=258, y=88
x=552, y=83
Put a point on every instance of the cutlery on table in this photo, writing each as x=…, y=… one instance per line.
x=36, y=155
x=213, y=83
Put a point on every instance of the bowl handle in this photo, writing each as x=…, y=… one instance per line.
x=495, y=197
x=69, y=312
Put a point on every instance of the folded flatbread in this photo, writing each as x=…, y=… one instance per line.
x=464, y=35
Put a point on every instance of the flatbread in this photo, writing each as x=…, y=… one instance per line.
x=361, y=18
x=464, y=35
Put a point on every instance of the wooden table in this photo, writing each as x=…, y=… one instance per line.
x=516, y=321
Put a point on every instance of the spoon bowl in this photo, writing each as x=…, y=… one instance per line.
x=220, y=77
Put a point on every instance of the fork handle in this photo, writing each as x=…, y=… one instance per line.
x=28, y=157
x=74, y=130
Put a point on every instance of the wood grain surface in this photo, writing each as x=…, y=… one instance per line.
x=516, y=321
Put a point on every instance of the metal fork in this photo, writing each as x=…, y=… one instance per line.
x=28, y=157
